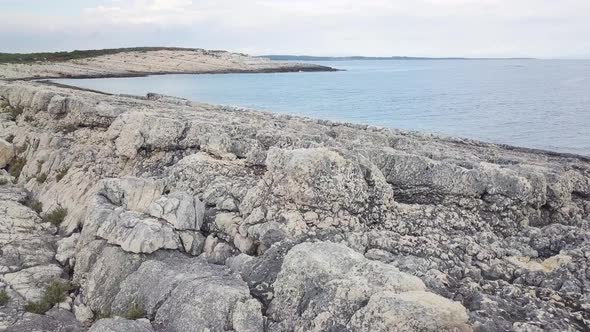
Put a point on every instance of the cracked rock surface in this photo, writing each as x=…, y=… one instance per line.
x=190, y=217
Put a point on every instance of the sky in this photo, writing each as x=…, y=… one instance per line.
x=438, y=28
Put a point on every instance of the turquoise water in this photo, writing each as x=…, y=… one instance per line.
x=533, y=103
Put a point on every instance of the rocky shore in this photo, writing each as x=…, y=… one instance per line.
x=123, y=213
x=152, y=62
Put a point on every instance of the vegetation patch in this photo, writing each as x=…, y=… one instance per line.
x=10, y=138
x=36, y=206
x=16, y=167
x=61, y=173
x=77, y=54
x=135, y=311
x=56, y=217
x=56, y=292
x=41, y=178
x=3, y=181
x=4, y=298
x=15, y=112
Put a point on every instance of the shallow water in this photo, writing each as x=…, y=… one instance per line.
x=533, y=103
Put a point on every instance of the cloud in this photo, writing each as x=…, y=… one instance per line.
x=544, y=28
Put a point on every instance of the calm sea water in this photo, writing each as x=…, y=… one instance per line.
x=533, y=103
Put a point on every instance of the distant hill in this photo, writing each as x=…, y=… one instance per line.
x=331, y=58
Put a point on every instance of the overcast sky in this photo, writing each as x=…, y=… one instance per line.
x=504, y=28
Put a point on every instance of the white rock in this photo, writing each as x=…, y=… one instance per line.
x=66, y=249
x=410, y=311
x=137, y=233
x=247, y=316
x=6, y=153
x=193, y=242
x=83, y=313
x=180, y=209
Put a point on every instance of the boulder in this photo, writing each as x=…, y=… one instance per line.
x=119, y=324
x=180, y=209
x=322, y=285
x=6, y=153
x=53, y=320
x=410, y=311
x=137, y=233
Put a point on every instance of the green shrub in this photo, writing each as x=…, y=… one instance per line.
x=41, y=178
x=10, y=138
x=37, y=307
x=61, y=173
x=103, y=314
x=35, y=205
x=16, y=167
x=135, y=311
x=29, y=118
x=4, y=298
x=3, y=182
x=56, y=292
x=56, y=217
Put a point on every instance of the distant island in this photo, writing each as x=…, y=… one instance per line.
x=348, y=58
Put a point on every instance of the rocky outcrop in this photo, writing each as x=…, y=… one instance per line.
x=188, y=216
x=150, y=62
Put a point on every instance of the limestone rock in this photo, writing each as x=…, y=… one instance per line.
x=180, y=209
x=502, y=230
x=119, y=324
x=247, y=317
x=138, y=233
x=193, y=242
x=66, y=250
x=410, y=311
x=6, y=153
x=341, y=281
x=134, y=194
x=53, y=320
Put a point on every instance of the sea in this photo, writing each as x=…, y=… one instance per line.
x=543, y=104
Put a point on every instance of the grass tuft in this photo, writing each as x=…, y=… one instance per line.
x=34, y=204
x=37, y=307
x=4, y=298
x=61, y=173
x=16, y=167
x=56, y=292
x=135, y=311
x=41, y=178
x=56, y=217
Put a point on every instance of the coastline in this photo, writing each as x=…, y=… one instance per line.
x=436, y=136
x=247, y=209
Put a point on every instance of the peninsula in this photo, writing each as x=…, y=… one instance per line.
x=139, y=61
